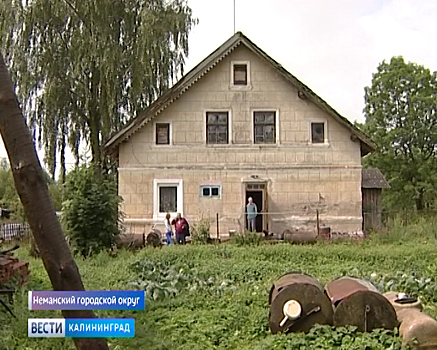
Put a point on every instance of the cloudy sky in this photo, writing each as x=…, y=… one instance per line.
x=333, y=46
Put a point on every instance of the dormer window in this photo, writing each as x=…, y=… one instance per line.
x=240, y=75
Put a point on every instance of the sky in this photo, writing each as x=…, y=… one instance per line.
x=333, y=46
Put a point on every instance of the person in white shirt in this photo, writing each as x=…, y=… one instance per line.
x=168, y=230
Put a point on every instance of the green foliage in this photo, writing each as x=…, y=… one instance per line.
x=200, y=231
x=84, y=68
x=161, y=281
x=401, y=108
x=413, y=284
x=90, y=212
x=237, y=317
x=9, y=198
x=55, y=190
x=8, y=194
x=247, y=238
x=405, y=226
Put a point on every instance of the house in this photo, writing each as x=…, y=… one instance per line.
x=239, y=125
x=372, y=184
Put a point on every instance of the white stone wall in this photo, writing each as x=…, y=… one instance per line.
x=300, y=176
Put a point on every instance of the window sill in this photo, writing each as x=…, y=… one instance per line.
x=240, y=87
x=266, y=145
x=218, y=145
x=162, y=146
x=323, y=145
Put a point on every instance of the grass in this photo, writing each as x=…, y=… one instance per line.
x=221, y=299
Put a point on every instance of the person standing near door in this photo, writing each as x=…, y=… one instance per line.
x=252, y=212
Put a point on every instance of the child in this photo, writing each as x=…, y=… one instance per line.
x=168, y=230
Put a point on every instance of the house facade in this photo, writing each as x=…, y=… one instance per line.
x=237, y=126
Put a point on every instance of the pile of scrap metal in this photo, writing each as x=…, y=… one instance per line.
x=298, y=301
x=14, y=269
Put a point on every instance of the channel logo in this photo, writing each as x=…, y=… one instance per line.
x=81, y=327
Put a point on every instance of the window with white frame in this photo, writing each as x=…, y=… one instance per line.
x=167, y=197
x=318, y=132
x=264, y=127
x=209, y=191
x=217, y=128
x=240, y=74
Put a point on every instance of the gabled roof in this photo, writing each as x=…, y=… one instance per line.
x=373, y=178
x=111, y=146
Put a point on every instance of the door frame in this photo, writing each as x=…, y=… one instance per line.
x=257, y=186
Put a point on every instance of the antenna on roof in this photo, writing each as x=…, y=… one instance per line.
x=234, y=16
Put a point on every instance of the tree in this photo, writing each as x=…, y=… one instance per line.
x=401, y=117
x=38, y=207
x=8, y=194
x=85, y=67
x=90, y=211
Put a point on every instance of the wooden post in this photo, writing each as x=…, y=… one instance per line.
x=318, y=223
x=218, y=232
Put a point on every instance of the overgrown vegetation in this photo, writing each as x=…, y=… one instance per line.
x=216, y=296
x=407, y=226
x=90, y=211
x=247, y=238
x=200, y=231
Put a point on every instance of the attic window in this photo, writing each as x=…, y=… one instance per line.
x=317, y=132
x=162, y=133
x=240, y=74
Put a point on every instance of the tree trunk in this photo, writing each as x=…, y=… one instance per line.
x=420, y=202
x=37, y=204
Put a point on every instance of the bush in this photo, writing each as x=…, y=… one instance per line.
x=405, y=227
x=90, y=212
x=247, y=238
x=200, y=231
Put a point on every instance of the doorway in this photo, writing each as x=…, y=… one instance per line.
x=258, y=193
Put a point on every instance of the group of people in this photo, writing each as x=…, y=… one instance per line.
x=182, y=229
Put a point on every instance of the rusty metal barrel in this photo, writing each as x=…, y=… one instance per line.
x=358, y=303
x=299, y=236
x=154, y=238
x=297, y=302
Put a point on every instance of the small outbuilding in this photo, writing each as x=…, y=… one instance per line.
x=372, y=183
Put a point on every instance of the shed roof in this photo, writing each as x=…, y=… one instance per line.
x=111, y=146
x=373, y=178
